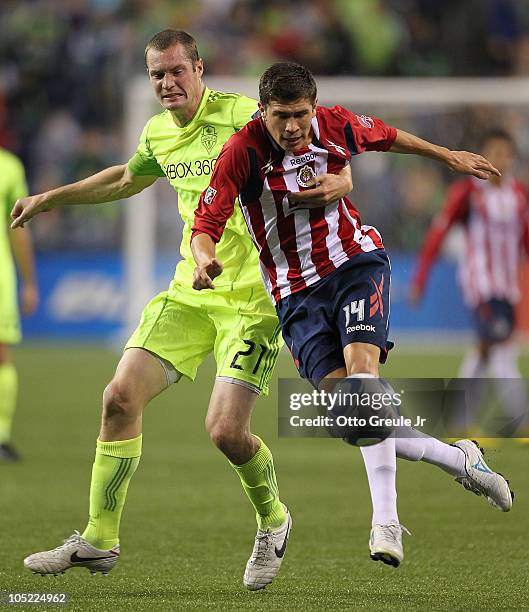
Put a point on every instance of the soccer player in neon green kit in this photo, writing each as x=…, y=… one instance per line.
x=177, y=331
x=15, y=243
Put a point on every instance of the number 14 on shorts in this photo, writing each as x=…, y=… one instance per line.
x=356, y=307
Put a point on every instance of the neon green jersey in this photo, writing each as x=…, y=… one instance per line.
x=12, y=187
x=186, y=155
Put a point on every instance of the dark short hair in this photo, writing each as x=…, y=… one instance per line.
x=287, y=82
x=497, y=134
x=169, y=38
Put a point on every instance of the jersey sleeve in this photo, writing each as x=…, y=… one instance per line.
x=17, y=186
x=244, y=110
x=143, y=162
x=366, y=133
x=217, y=202
x=454, y=209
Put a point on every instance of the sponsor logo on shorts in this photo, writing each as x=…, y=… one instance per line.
x=375, y=299
x=360, y=327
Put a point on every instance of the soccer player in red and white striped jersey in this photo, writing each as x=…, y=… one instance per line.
x=495, y=218
x=328, y=274
x=299, y=245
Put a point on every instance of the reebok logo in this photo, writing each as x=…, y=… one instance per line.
x=375, y=300
x=296, y=161
x=360, y=327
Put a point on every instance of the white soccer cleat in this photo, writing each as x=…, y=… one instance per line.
x=385, y=543
x=73, y=552
x=481, y=480
x=267, y=555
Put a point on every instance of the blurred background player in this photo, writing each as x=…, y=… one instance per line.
x=495, y=217
x=178, y=330
x=13, y=244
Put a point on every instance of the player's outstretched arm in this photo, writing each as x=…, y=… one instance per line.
x=111, y=184
x=208, y=267
x=326, y=189
x=459, y=161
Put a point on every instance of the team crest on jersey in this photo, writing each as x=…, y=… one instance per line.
x=365, y=121
x=209, y=195
x=209, y=137
x=305, y=175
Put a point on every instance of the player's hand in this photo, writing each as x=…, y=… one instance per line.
x=26, y=208
x=29, y=299
x=326, y=189
x=414, y=295
x=204, y=274
x=473, y=164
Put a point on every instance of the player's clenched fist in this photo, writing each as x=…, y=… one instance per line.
x=326, y=189
x=25, y=209
x=204, y=274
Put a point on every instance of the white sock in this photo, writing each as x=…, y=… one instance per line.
x=473, y=366
x=381, y=467
x=466, y=418
x=510, y=387
x=422, y=447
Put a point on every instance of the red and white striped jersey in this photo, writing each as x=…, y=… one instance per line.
x=297, y=245
x=496, y=223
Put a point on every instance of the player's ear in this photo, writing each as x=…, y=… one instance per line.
x=199, y=67
x=261, y=109
x=314, y=107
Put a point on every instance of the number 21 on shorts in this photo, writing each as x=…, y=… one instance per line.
x=243, y=356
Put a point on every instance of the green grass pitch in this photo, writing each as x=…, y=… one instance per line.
x=187, y=529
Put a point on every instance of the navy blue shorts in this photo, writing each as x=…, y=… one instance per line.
x=349, y=305
x=494, y=320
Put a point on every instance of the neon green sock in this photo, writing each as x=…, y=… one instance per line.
x=8, y=399
x=114, y=465
x=258, y=480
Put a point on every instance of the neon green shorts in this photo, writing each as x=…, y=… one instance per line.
x=9, y=319
x=240, y=328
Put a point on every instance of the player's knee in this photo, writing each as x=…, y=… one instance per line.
x=119, y=401
x=363, y=363
x=361, y=358
x=224, y=436
x=363, y=411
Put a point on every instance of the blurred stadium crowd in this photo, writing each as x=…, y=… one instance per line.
x=64, y=67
